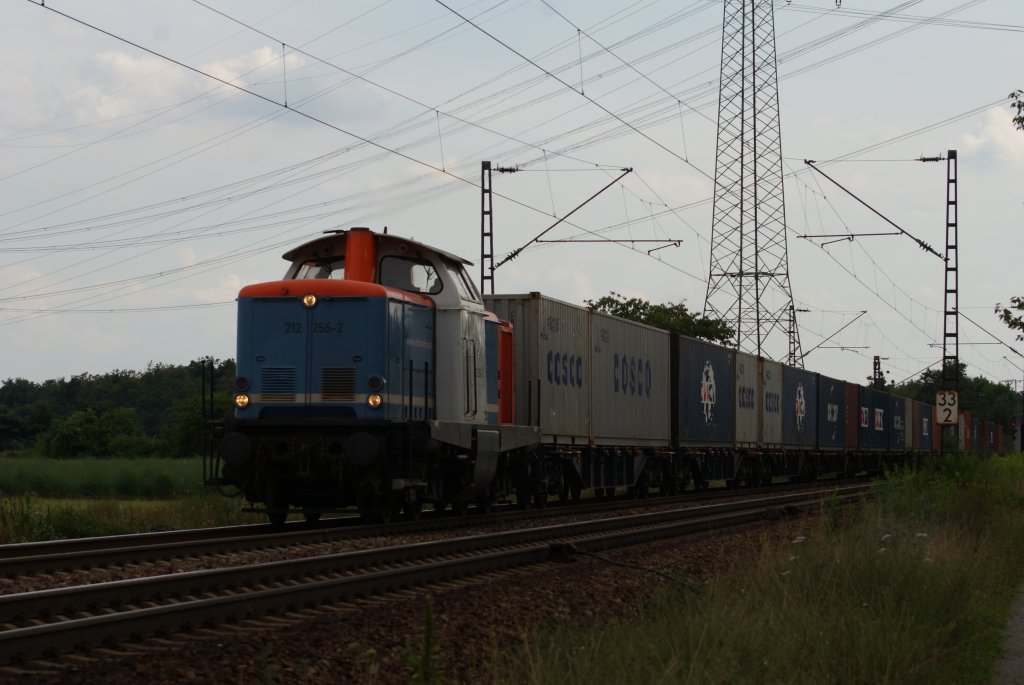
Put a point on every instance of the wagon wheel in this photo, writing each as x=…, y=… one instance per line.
x=311, y=515
x=484, y=505
x=412, y=511
x=523, y=498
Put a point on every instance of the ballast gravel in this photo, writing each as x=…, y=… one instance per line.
x=477, y=622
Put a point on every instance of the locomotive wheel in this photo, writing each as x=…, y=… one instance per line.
x=310, y=515
x=277, y=517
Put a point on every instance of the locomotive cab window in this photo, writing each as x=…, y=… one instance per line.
x=411, y=275
x=322, y=268
x=462, y=281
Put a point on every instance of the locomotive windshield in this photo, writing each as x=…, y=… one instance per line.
x=411, y=275
x=322, y=268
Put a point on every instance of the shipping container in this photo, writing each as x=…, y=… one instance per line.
x=631, y=382
x=922, y=427
x=551, y=348
x=999, y=439
x=799, y=408
x=896, y=418
x=831, y=418
x=873, y=408
x=703, y=400
x=771, y=404
x=937, y=430
x=908, y=425
x=854, y=417
x=748, y=414
x=965, y=426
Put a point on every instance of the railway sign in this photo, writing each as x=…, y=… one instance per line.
x=946, y=408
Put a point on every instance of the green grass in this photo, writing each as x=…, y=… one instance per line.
x=45, y=499
x=149, y=478
x=26, y=518
x=916, y=588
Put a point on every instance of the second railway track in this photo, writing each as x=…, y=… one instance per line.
x=47, y=623
x=69, y=556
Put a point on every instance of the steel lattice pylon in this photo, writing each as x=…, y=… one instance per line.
x=748, y=284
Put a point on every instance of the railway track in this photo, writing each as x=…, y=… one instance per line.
x=57, y=556
x=48, y=623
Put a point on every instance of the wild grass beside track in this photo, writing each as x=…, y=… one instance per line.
x=44, y=499
x=916, y=588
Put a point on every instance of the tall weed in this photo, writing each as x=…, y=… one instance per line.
x=915, y=589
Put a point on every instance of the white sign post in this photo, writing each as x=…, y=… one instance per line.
x=946, y=408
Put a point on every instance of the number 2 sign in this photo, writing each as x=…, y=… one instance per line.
x=946, y=408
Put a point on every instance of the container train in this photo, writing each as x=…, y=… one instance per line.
x=375, y=375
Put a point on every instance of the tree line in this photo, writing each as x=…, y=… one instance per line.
x=123, y=413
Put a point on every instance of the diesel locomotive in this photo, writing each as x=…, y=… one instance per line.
x=375, y=375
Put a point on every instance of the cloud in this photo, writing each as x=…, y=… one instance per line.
x=996, y=138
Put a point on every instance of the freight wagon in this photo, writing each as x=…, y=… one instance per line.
x=375, y=375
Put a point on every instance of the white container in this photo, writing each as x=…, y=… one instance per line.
x=631, y=382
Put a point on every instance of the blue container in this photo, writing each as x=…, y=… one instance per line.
x=831, y=413
x=799, y=408
x=872, y=430
x=897, y=423
x=704, y=393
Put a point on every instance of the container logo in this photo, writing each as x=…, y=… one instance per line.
x=800, y=407
x=832, y=413
x=565, y=369
x=772, y=402
x=863, y=417
x=707, y=392
x=632, y=376
x=924, y=427
x=879, y=419
x=746, y=397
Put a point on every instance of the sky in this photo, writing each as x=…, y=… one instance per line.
x=155, y=157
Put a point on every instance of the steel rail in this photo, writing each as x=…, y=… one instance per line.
x=350, y=575
x=83, y=553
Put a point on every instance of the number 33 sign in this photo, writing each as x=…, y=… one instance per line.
x=946, y=407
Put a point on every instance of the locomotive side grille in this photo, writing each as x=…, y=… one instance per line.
x=338, y=384
x=278, y=384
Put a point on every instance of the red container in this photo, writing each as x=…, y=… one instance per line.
x=852, y=415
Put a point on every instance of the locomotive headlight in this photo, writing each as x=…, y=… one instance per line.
x=309, y=301
x=374, y=401
x=241, y=401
